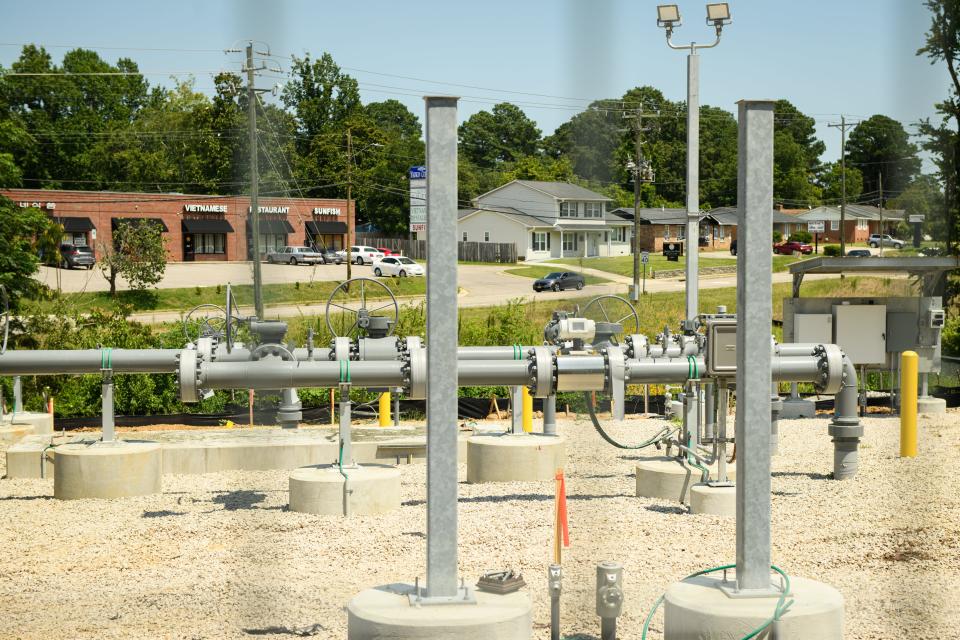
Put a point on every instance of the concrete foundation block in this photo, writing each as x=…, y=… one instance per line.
x=319, y=489
x=671, y=478
x=716, y=501
x=42, y=423
x=523, y=457
x=696, y=608
x=929, y=404
x=10, y=433
x=385, y=612
x=107, y=470
x=793, y=409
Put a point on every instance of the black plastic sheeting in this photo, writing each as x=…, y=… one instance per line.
x=467, y=409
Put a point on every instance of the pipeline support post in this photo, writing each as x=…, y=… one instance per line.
x=441, y=137
x=550, y=415
x=527, y=402
x=516, y=410
x=909, y=365
x=17, y=395
x=754, y=346
x=346, y=443
x=107, y=430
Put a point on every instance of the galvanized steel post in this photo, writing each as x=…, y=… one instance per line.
x=754, y=347
x=441, y=136
x=693, y=183
x=17, y=395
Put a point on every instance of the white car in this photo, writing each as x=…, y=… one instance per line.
x=364, y=255
x=401, y=266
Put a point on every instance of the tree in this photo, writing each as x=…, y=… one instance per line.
x=924, y=196
x=797, y=152
x=490, y=138
x=878, y=145
x=943, y=45
x=138, y=255
x=831, y=183
x=23, y=234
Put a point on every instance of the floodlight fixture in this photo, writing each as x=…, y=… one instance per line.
x=668, y=15
x=718, y=14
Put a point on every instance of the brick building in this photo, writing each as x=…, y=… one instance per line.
x=197, y=227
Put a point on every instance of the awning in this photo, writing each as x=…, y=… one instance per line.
x=206, y=225
x=76, y=225
x=114, y=222
x=326, y=228
x=270, y=225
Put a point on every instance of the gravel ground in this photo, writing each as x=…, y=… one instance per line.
x=218, y=556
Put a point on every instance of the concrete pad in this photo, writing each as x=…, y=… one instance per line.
x=525, y=457
x=42, y=423
x=793, y=409
x=716, y=501
x=696, y=608
x=385, y=612
x=107, y=470
x=10, y=433
x=671, y=478
x=371, y=489
x=929, y=404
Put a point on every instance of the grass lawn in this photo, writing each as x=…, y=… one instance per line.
x=186, y=298
x=539, y=272
x=623, y=265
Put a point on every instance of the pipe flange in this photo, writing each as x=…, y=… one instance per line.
x=638, y=346
x=342, y=348
x=205, y=347
x=838, y=430
x=830, y=369
x=187, y=376
x=616, y=366
x=418, y=374
x=543, y=368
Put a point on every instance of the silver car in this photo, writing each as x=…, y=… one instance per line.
x=295, y=256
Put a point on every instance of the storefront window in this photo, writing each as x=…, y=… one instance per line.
x=272, y=242
x=209, y=242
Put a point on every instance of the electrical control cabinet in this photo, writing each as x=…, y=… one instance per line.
x=861, y=331
x=813, y=328
x=721, y=357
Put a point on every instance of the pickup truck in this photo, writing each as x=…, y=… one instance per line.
x=295, y=256
x=792, y=246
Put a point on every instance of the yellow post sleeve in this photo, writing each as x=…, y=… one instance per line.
x=333, y=407
x=909, y=373
x=527, y=411
x=385, y=409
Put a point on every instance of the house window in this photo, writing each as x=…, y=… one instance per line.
x=592, y=210
x=570, y=242
x=464, y=236
x=486, y=236
x=568, y=209
x=719, y=229
x=786, y=229
x=681, y=231
x=862, y=224
x=620, y=234
x=834, y=225
x=541, y=241
x=666, y=232
x=209, y=242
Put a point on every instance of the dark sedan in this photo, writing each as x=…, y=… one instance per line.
x=330, y=256
x=73, y=256
x=559, y=280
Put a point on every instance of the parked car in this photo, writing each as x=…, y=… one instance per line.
x=72, y=255
x=733, y=247
x=364, y=255
x=387, y=252
x=792, y=246
x=559, y=280
x=397, y=266
x=888, y=241
x=295, y=256
x=330, y=256
x=859, y=253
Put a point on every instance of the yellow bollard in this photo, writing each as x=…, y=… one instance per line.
x=909, y=366
x=527, y=411
x=385, y=409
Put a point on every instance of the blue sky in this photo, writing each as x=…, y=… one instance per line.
x=826, y=56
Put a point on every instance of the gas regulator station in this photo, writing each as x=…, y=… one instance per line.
x=594, y=349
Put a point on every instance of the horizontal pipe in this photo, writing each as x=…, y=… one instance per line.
x=481, y=373
x=80, y=361
x=278, y=374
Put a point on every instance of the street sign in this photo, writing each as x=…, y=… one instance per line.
x=916, y=217
x=645, y=257
x=418, y=227
x=418, y=173
x=418, y=198
x=815, y=226
x=672, y=251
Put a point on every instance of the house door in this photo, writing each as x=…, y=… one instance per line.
x=593, y=244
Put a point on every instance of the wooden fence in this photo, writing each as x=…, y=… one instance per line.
x=501, y=252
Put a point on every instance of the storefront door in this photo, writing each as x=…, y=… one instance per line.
x=188, y=250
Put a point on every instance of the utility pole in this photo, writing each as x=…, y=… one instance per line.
x=349, y=198
x=254, y=183
x=843, y=182
x=641, y=171
x=881, y=212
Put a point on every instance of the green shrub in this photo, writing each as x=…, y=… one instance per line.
x=950, y=337
x=777, y=236
x=801, y=236
x=832, y=250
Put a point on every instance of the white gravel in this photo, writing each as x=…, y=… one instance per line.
x=218, y=556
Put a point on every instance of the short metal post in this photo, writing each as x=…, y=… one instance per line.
x=555, y=585
x=441, y=137
x=106, y=407
x=18, y=395
x=924, y=386
x=383, y=414
x=345, y=455
x=526, y=401
x=396, y=408
x=710, y=411
x=723, y=403
x=550, y=415
x=754, y=347
x=909, y=362
x=516, y=410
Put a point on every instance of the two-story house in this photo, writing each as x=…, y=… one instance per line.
x=546, y=220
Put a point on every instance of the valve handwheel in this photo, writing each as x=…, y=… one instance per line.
x=353, y=320
x=207, y=321
x=231, y=321
x=613, y=309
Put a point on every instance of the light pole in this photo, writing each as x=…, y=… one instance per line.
x=668, y=17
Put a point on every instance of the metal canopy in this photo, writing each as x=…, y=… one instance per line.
x=271, y=225
x=114, y=222
x=206, y=225
x=75, y=225
x=317, y=228
x=932, y=270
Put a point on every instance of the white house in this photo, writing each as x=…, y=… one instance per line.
x=546, y=220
